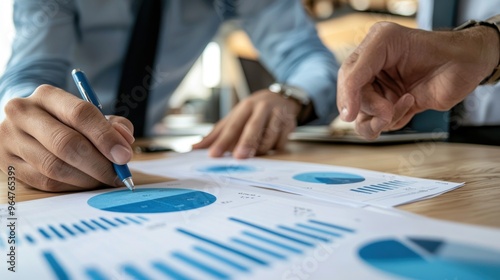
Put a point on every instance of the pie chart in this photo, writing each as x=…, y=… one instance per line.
x=424, y=258
x=151, y=200
x=329, y=178
x=226, y=168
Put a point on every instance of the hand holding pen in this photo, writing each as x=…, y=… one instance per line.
x=89, y=95
x=58, y=142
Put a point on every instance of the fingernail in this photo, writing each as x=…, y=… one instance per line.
x=120, y=154
x=244, y=152
x=216, y=152
x=343, y=113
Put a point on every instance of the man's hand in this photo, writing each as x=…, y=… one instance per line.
x=256, y=125
x=58, y=142
x=397, y=72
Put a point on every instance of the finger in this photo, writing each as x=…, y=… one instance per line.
x=376, y=104
x=123, y=126
x=279, y=124
x=363, y=126
x=253, y=132
x=288, y=127
x=211, y=137
x=231, y=130
x=401, y=108
x=36, y=155
x=270, y=136
x=363, y=65
x=31, y=177
x=63, y=142
x=124, y=131
x=86, y=119
x=357, y=71
x=119, y=119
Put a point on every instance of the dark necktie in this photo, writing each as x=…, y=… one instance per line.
x=444, y=17
x=444, y=14
x=136, y=80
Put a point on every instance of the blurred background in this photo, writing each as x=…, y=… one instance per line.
x=229, y=69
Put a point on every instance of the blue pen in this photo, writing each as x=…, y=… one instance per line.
x=89, y=95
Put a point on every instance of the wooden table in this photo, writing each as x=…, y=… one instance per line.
x=478, y=202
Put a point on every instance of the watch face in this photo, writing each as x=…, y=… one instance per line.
x=290, y=92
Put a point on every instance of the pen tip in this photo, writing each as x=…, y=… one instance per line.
x=129, y=183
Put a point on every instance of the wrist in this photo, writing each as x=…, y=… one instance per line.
x=305, y=111
x=484, y=39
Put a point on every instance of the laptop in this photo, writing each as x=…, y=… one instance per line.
x=426, y=126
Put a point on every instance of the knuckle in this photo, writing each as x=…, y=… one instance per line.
x=65, y=141
x=51, y=166
x=43, y=90
x=16, y=107
x=83, y=112
x=47, y=184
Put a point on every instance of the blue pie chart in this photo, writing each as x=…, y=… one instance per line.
x=329, y=178
x=151, y=200
x=227, y=168
x=424, y=258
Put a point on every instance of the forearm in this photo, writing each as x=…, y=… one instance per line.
x=290, y=48
x=41, y=53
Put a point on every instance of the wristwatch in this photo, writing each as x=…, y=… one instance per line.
x=493, y=22
x=306, y=113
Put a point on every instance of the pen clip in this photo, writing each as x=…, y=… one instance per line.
x=86, y=95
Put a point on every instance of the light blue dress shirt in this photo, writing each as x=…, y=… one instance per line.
x=482, y=105
x=52, y=37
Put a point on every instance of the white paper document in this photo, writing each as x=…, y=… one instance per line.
x=195, y=229
x=326, y=182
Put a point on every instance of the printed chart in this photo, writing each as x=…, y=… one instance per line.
x=424, y=258
x=350, y=186
x=239, y=232
x=147, y=200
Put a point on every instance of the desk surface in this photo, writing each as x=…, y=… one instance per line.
x=478, y=202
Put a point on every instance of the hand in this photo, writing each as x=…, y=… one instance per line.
x=256, y=125
x=58, y=142
x=397, y=72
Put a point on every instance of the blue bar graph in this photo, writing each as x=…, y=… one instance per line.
x=99, y=225
x=200, y=265
x=222, y=259
x=259, y=248
x=382, y=187
x=69, y=231
x=56, y=267
x=44, y=233
x=108, y=222
x=95, y=274
x=304, y=233
x=225, y=247
x=135, y=273
x=81, y=230
x=309, y=244
x=254, y=246
x=64, y=231
x=273, y=242
x=30, y=239
x=319, y=230
x=168, y=271
x=349, y=230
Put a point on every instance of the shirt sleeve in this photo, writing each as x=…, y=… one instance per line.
x=290, y=48
x=45, y=35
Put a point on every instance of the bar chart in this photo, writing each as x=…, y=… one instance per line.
x=256, y=246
